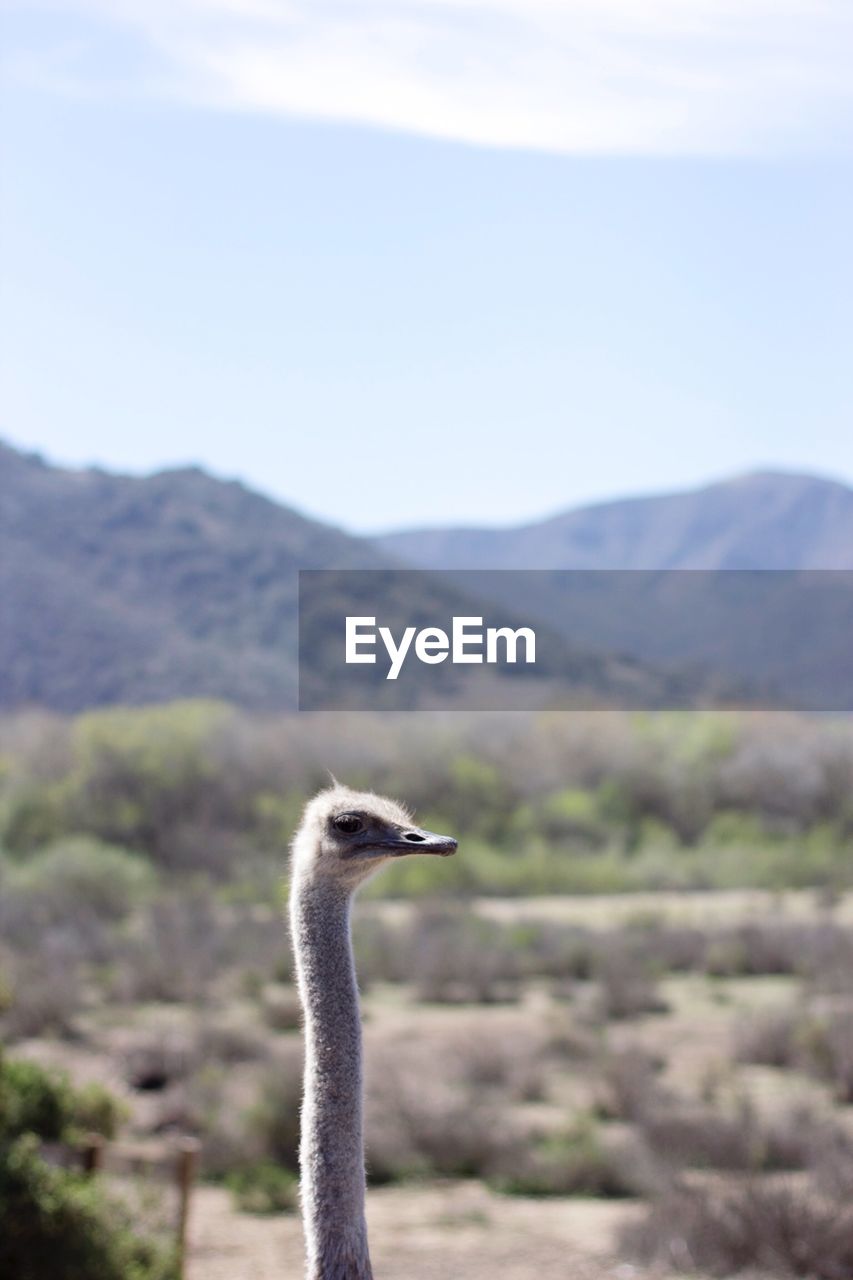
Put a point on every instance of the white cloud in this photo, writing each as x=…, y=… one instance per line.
x=582, y=76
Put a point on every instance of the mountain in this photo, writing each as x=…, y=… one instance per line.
x=125, y=589
x=786, y=637
x=120, y=589
x=768, y=520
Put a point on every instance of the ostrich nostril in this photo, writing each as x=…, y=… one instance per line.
x=413, y=837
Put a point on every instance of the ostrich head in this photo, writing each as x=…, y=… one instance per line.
x=347, y=835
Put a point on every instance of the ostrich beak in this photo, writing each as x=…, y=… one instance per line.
x=415, y=840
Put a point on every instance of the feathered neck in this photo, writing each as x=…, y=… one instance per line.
x=332, y=1143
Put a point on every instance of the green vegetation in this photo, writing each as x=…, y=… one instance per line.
x=32, y=1101
x=57, y=1222
x=264, y=1188
x=141, y=860
x=572, y=1162
x=91, y=809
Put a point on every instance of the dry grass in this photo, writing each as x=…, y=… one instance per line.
x=552, y=1061
x=818, y=1040
x=775, y=1229
x=425, y=1233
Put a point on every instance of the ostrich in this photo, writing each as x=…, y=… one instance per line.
x=344, y=837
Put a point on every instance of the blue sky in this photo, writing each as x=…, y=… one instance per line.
x=424, y=261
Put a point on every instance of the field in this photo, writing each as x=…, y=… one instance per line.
x=622, y=1084
x=425, y=1229
x=533, y=1084
x=423, y=1233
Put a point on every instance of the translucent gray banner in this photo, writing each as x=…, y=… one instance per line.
x=530, y=639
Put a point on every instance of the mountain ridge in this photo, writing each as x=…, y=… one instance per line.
x=180, y=584
x=141, y=588
x=135, y=589
x=765, y=519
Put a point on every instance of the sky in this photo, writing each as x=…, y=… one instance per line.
x=403, y=262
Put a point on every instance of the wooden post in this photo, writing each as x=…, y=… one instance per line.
x=186, y=1169
x=93, y=1153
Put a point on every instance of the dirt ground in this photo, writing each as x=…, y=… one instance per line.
x=463, y=1229
x=426, y=1233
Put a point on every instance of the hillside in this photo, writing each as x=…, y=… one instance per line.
x=120, y=588
x=768, y=520
x=785, y=637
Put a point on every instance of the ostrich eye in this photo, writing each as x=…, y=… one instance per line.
x=348, y=822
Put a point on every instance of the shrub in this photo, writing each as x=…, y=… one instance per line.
x=230, y=1041
x=281, y=1008
x=700, y=1137
x=205, y=1106
x=422, y=1121
x=839, y=1054
x=175, y=955
x=575, y=1162
x=96, y=1110
x=628, y=1085
x=626, y=986
x=457, y=958
x=141, y=775
x=264, y=1188
x=777, y=1039
x=60, y=1224
x=821, y=1043
x=832, y=1162
x=775, y=1229
x=81, y=874
x=273, y=1121
x=55, y=1222
x=771, y=947
x=33, y=1100
x=43, y=989
x=439, y=1131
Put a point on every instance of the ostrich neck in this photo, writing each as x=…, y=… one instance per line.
x=332, y=1144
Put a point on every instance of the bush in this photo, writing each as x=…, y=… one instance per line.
x=626, y=985
x=95, y=1110
x=176, y=953
x=264, y=1188
x=46, y=993
x=838, y=1055
x=56, y=1223
x=821, y=1043
x=628, y=1085
x=274, y=1119
x=457, y=958
x=425, y=1121
x=439, y=1131
x=776, y=1229
x=543, y=803
x=33, y=1100
x=833, y=1165
x=445, y=1105
x=60, y=1224
x=778, y=1039
x=81, y=874
x=576, y=1162
x=281, y=1008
